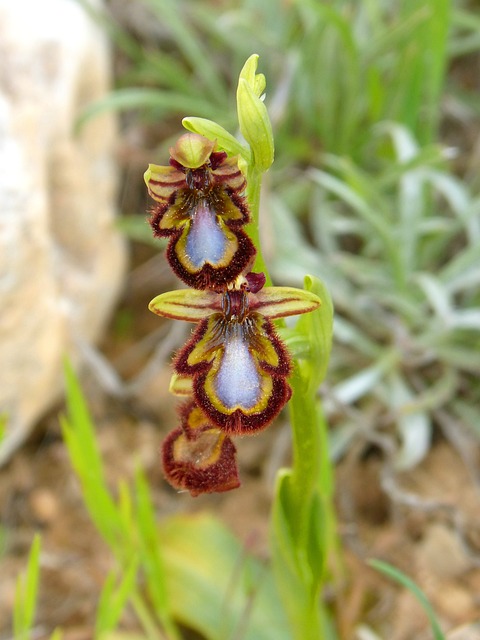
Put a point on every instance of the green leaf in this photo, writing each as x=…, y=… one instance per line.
x=129, y=527
x=317, y=327
x=399, y=577
x=462, y=271
x=214, y=586
x=114, y=598
x=359, y=384
x=414, y=426
x=297, y=562
x=79, y=435
x=190, y=44
x=283, y=539
x=151, y=552
x=160, y=101
x=26, y=593
x=317, y=541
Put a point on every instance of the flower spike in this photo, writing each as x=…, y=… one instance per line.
x=201, y=208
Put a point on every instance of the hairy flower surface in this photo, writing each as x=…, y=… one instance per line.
x=199, y=457
x=201, y=208
x=236, y=361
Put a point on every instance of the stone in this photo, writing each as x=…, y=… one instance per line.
x=62, y=260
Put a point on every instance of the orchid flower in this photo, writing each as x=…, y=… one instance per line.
x=235, y=361
x=201, y=209
x=199, y=457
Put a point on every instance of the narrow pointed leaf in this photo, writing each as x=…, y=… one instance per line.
x=113, y=599
x=318, y=327
x=402, y=579
x=26, y=593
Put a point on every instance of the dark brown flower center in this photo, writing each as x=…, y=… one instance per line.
x=199, y=179
x=235, y=305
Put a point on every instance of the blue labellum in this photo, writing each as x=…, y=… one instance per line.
x=237, y=382
x=205, y=241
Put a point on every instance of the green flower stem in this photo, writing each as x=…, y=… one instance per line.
x=254, y=185
x=311, y=481
x=307, y=454
x=308, y=485
x=312, y=470
x=312, y=467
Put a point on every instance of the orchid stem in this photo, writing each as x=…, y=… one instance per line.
x=254, y=187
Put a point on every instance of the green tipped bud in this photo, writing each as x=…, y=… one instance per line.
x=253, y=116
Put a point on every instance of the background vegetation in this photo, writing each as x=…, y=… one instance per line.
x=374, y=189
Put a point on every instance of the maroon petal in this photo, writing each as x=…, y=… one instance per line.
x=202, y=464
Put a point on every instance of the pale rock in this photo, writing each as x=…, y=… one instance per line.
x=61, y=258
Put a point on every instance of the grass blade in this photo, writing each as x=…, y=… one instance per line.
x=113, y=599
x=79, y=436
x=26, y=594
x=398, y=576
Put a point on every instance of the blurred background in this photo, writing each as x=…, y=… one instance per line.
x=375, y=189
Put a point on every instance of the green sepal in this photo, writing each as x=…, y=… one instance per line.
x=190, y=305
x=159, y=180
x=192, y=150
x=193, y=305
x=253, y=119
x=214, y=131
x=279, y=302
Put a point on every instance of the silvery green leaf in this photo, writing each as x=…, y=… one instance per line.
x=465, y=319
x=414, y=427
x=358, y=385
x=436, y=295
